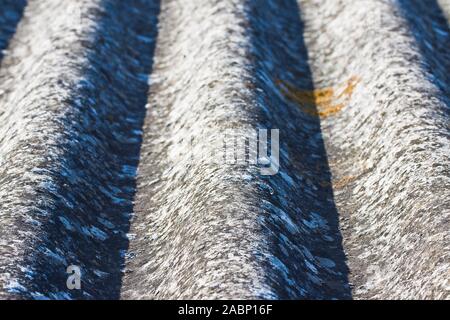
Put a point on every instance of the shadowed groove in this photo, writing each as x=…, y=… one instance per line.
x=388, y=149
x=362, y=110
x=207, y=230
x=10, y=14
x=80, y=213
x=315, y=258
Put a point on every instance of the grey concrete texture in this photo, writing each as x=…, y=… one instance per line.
x=109, y=111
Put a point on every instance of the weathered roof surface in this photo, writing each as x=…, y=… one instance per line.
x=109, y=111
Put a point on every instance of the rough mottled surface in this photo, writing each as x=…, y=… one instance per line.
x=110, y=110
x=73, y=93
x=389, y=148
x=205, y=230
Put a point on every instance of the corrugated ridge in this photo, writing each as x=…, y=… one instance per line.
x=359, y=92
x=389, y=146
x=207, y=230
x=75, y=79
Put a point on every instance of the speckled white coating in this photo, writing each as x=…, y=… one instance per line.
x=391, y=142
x=99, y=100
x=219, y=231
x=72, y=90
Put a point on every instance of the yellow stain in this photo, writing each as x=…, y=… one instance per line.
x=320, y=102
x=339, y=184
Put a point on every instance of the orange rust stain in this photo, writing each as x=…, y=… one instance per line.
x=339, y=184
x=322, y=102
